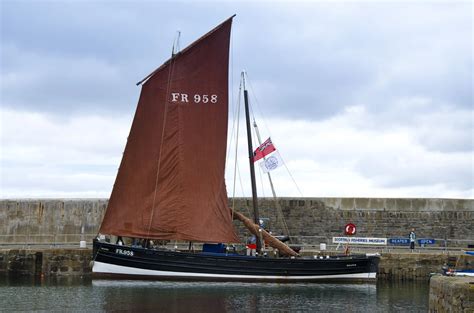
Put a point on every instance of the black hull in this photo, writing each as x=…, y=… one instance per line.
x=130, y=262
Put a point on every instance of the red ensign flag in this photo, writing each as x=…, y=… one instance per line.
x=265, y=148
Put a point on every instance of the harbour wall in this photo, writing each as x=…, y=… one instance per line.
x=76, y=262
x=451, y=294
x=308, y=220
x=45, y=262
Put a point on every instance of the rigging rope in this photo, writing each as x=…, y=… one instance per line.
x=235, y=109
x=268, y=130
x=236, y=146
x=260, y=172
x=242, y=190
x=280, y=216
x=258, y=105
x=294, y=181
x=168, y=88
x=234, y=122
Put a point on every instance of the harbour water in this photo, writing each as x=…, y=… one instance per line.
x=75, y=294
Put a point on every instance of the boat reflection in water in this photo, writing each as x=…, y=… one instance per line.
x=82, y=294
x=232, y=297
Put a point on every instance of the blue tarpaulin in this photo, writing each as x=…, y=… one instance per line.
x=214, y=248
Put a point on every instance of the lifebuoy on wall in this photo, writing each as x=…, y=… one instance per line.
x=350, y=229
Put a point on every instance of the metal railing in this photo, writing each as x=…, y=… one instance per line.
x=441, y=245
x=41, y=240
x=72, y=240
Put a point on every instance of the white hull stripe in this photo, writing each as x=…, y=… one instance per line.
x=105, y=268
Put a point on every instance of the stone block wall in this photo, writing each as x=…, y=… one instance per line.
x=451, y=294
x=37, y=262
x=50, y=221
x=410, y=266
x=310, y=220
x=76, y=262
x=323, y=218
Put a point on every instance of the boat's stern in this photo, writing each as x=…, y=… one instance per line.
x=374, y=260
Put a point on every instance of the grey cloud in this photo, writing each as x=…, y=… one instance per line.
x=305, y=61
x=319, y=57
x=407, y=169
x=434, y=125
x=64, y=84
x=64, y=57
x=406, y=66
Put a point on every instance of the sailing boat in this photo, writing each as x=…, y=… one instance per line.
x=170, y=185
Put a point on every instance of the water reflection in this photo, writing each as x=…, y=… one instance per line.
x=84, y=294
x=229, y=297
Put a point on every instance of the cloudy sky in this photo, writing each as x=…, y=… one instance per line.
x=369, y=99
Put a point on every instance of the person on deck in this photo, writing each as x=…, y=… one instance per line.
x=251, y=245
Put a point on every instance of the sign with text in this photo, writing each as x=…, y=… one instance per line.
x=360, y=240
x=399, y=241
x=426, y=241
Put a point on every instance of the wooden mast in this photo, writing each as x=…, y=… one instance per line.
x=254, y=227
x=256, y=216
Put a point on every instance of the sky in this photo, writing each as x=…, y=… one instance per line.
x=361, y=99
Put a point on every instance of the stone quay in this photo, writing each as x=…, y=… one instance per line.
x=41, y=236
x=451, y=294
x=397, y=266
x=309, y=221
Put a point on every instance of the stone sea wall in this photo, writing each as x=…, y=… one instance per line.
x=45, y=262
x=310, y=220
x=451, y=294
x=325, y=217
x=70, y=262
x=410, y=266
x=50, y=221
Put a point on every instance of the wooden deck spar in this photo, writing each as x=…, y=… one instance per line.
x=269, y=239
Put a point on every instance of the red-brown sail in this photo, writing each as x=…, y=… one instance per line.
x=170, y=184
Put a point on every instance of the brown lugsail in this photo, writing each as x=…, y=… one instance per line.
x=170, y=184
